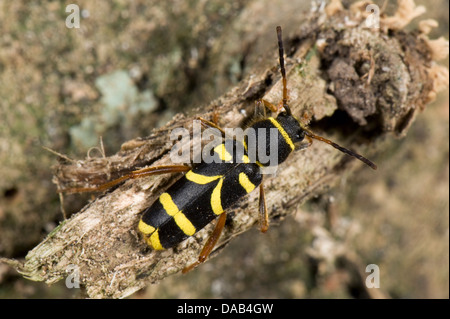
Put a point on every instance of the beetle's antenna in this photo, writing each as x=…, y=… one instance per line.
x=342, y=149
x=283, y=70
x=288, y=110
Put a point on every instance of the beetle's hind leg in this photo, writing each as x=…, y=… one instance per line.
x=210, y=243
x=263, y=215
x=148, y=171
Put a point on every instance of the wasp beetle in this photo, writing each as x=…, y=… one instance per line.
x=207, y=190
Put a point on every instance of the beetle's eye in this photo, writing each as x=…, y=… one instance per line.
x=300, y=135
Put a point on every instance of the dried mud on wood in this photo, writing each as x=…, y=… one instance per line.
x=337, y=69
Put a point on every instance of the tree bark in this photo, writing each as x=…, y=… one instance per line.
x=352, y=84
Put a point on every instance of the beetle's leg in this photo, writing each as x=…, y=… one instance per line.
x=260, y=110
x=210, y=243
x=148, y=171
x=215, y=116
x=209, y=124
x=213, y=123
x=273, y=108
x=263, y=216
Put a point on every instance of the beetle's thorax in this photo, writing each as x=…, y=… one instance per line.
x=271, y=140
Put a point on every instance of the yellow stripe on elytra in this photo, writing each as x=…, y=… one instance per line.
x=145, y=228
x=223, y=153
x=282, y=132
x=201, y=179
x=154, y=241
x=246, y=183
x=216, y=201
x=168, y=204
x=185, y=224
x=180, y=219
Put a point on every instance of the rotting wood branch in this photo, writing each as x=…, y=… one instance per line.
x=358, y=84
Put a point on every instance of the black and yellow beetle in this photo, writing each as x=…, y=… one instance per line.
x=208, y=189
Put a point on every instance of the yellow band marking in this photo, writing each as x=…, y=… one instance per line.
x=223, y=153
x=154, y=242
x=216, y=201
x=245, y=159
x=180, y=219
x=200, y=179
x=185, y=224
x=145, y=228
x=168, y=204
x=246, y=183
x=282, y=132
